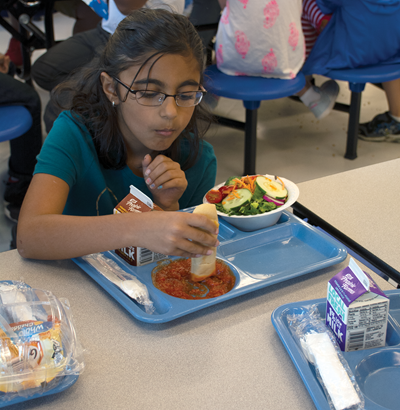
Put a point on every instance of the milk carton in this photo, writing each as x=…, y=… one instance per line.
x=137, y=201
x=356, y=310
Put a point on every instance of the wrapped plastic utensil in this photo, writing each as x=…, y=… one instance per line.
x=322, y=351
x=129, y=285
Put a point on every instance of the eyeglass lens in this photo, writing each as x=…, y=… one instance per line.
x=151, y=98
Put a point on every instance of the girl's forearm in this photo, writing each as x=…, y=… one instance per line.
x=63, y=236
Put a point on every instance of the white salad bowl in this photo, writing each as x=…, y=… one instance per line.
x=250, y=223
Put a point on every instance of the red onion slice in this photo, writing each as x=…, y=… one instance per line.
x=277, y=202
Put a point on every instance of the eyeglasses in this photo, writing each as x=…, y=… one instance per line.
x=155, y=98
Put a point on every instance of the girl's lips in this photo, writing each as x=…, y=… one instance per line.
x=165, y=132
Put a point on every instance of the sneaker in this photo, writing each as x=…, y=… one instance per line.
x=11, y=211
x=382, y=128
x=16, y=188
x=328, y=92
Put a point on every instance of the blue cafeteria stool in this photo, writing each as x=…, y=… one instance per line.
x=15, y=120
x=357, y=78
x=251, y=90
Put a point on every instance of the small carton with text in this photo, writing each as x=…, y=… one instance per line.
x=356, y=310
x=137, y=201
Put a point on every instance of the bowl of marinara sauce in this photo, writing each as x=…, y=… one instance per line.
x=172, y=276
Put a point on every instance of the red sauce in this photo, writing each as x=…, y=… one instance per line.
x=174, y=279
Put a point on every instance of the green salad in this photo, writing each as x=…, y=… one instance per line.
x=249, y=195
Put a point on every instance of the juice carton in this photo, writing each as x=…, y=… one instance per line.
x=137, y=201
x=356, y=310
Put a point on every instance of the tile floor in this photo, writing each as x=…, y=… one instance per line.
x=291, y=142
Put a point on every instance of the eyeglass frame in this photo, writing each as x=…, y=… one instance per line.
x=203, y=91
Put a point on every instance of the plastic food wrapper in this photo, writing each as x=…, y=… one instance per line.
x=38, y=344
x=321, y=349
x=99, y=6
x=129, y=284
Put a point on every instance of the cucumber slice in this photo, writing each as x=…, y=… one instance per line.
x=235, y=203
x=271, y=188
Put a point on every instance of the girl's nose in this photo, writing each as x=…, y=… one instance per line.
x=169, y=108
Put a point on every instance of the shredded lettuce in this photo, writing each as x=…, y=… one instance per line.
x=255, y=207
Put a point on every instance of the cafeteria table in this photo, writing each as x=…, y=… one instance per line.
x=359, y=208
x=227, y=356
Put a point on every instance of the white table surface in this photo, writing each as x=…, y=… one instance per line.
x=224, y=357
x=363, y=204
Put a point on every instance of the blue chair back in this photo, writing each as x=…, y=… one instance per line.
x=15, y=120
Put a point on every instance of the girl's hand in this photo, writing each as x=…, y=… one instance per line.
x=166, y=181
x=178, y=233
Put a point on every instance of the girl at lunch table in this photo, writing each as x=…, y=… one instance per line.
x=133, y=119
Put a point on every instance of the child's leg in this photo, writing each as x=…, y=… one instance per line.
x=86, y=18
x=392, y=90
x=319, y=100
x=313, y=22
x=386, y=126
x=23, y=149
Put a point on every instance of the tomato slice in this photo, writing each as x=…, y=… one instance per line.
x=214, y=196
x=225, y=190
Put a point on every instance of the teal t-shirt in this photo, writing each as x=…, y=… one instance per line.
x=69, y=153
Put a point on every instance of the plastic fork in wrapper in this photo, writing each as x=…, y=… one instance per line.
x=129, y=284
x=39, y=350
x=321, y=349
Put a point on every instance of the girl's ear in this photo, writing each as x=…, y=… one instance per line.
x=109, y=87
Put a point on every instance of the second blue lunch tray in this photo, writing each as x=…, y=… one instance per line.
x=377, y=371
x=258, y=259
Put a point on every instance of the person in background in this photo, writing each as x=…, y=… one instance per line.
x=320, y=100
x=14, y=51
x=24, y=149
x=349, y=41
x=205, y=12
x=259, y=38
x=60, y=61
x=266, y=39
x=85, y=17
x=313, y=21
x=385, y=126
x=134, y=119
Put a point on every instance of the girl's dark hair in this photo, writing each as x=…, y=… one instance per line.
x=143, y=33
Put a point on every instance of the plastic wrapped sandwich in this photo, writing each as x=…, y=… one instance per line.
x=39, y=351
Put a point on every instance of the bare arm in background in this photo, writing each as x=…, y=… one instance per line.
x=127, y=6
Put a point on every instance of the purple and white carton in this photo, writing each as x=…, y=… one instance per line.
x=356, y=310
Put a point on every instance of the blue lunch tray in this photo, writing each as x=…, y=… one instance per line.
x=65, y=383
x=258, y=259
x=377, y=371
